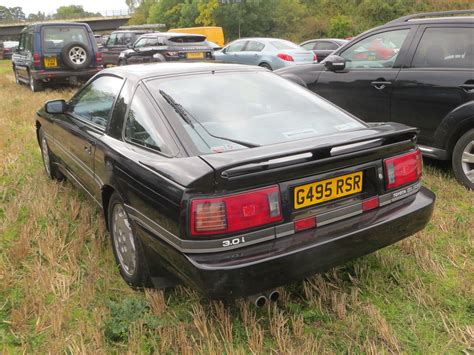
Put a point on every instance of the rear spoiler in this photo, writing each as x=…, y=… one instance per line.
x=388, y=135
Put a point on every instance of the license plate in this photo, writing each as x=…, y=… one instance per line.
x=327, y=190
x=50, y=62
x=197, y=55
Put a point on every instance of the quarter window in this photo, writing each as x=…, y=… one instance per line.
x=142, y=126
x=377, y=51
x=95, y=102
x=445, y=48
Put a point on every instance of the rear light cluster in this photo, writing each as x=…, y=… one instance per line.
x=285, y=57
x=98, y=58
x=236, y=212
x=36, y=60
x=315, y=58
x=403, y=169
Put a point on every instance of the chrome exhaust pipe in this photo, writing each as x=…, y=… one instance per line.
x=273, y=295
x=258, y=300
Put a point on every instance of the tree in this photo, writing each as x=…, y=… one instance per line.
x=73, y=11
x=40, y=16
x=11, y=13
x=206, y=13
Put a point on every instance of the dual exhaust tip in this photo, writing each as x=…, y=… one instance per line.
x=261, y=299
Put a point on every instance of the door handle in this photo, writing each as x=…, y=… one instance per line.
x=380, y=85
x=469, y=88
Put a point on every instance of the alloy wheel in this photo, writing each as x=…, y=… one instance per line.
x=123, y=240
x=467, y=161
x=77, y=55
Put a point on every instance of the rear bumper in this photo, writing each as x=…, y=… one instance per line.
x=264, y=266
x=64, y=74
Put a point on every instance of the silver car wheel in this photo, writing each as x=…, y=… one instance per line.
x=467, y=161
x=45, y=153
x=123, y=239
x=77, y=55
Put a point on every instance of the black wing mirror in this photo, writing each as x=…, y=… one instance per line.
x=335, y=63
x=55, y=107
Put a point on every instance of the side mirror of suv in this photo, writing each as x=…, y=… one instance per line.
x=55, y=107
x=335, y=63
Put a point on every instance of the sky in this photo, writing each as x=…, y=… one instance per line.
x=50, y=6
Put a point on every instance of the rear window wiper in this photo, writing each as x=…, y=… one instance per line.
x=188, y=118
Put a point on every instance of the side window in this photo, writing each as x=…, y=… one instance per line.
x=142, y=127
x=128, y=38
x=236, y=47
x=445, y=48
x=112, y=41
x=140, y=43
x=29, y=42
x=309, y=46
x=377, y=51
x=94, y=103
x=21, y=45
x=120, y=39
x=326, y=46
x=254, y=46
x=152, y=41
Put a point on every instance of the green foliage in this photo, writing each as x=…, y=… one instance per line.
x=296, y=20
x=73, y=11
x=11, y=13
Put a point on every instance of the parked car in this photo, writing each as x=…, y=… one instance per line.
x=1, y=51
x=117, y=42
x=212, y=33
x=270, y=53
x=9, y=48
x=55, y=52
x=229, y=178
x=166, y=47
x=323, y=47
x=417, y=70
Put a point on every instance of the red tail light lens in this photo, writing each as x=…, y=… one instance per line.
x=235, y=212
x=286, y=57
x=36, y=60
x=315, y=58
x=98, y=58
x=403, y=169
x=305, y=223
x=370, y=203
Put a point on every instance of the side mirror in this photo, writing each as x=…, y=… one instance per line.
x=55, y=107
x=335, y=63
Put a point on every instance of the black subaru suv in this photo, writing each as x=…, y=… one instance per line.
x=417, y=70
x=62, y=51
x=166, y=47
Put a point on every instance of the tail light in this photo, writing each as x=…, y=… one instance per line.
x=403, y=169
x=36, y=60
x=315, y=57
x=235, y=212
x=98, y=58
x=286, y=57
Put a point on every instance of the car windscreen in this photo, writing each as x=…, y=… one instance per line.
x=258, y=108
x=56, y=37
x=187, y=39
x=284, y=45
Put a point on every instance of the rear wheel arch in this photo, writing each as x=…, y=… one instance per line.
x=38, y=126
x=458, y=132
x=107, y=192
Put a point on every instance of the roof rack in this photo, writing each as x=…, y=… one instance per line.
x=143, y=27
x=431, y=14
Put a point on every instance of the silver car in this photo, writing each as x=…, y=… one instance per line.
x=270, y=53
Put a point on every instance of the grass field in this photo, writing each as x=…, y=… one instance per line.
x=60, y=291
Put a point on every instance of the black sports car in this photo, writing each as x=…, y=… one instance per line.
x=229, y=178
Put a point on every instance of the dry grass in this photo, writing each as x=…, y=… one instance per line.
x=60, y=292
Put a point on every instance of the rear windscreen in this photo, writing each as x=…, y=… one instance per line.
x=55, y=38
x=187, y=39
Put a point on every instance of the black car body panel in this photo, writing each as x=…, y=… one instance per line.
x=439, y=100
x=167, y=47
x=158, y=187
x=324, y=46
x=117, y=42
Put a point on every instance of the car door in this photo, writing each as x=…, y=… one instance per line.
x=24, y=55
x=252, y=53
x=77, y=131
x=233, y=52
x=136, y=56
x=364, y=87
x=439, y=79
x=324, y=48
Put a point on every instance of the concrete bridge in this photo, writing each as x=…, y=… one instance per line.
x=12, y=31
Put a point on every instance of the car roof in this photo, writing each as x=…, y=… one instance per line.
x=341, y=40
x=171, y=34
x=37, y=26
x=152, y=70
x=133, y=31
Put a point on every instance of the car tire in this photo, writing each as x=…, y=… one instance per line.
x=35, y=85
x=76, y=55
x=266, y=66
x=463, y=159
x=51, y=170
x=126, y=247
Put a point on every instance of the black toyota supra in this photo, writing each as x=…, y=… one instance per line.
x=231, y=179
